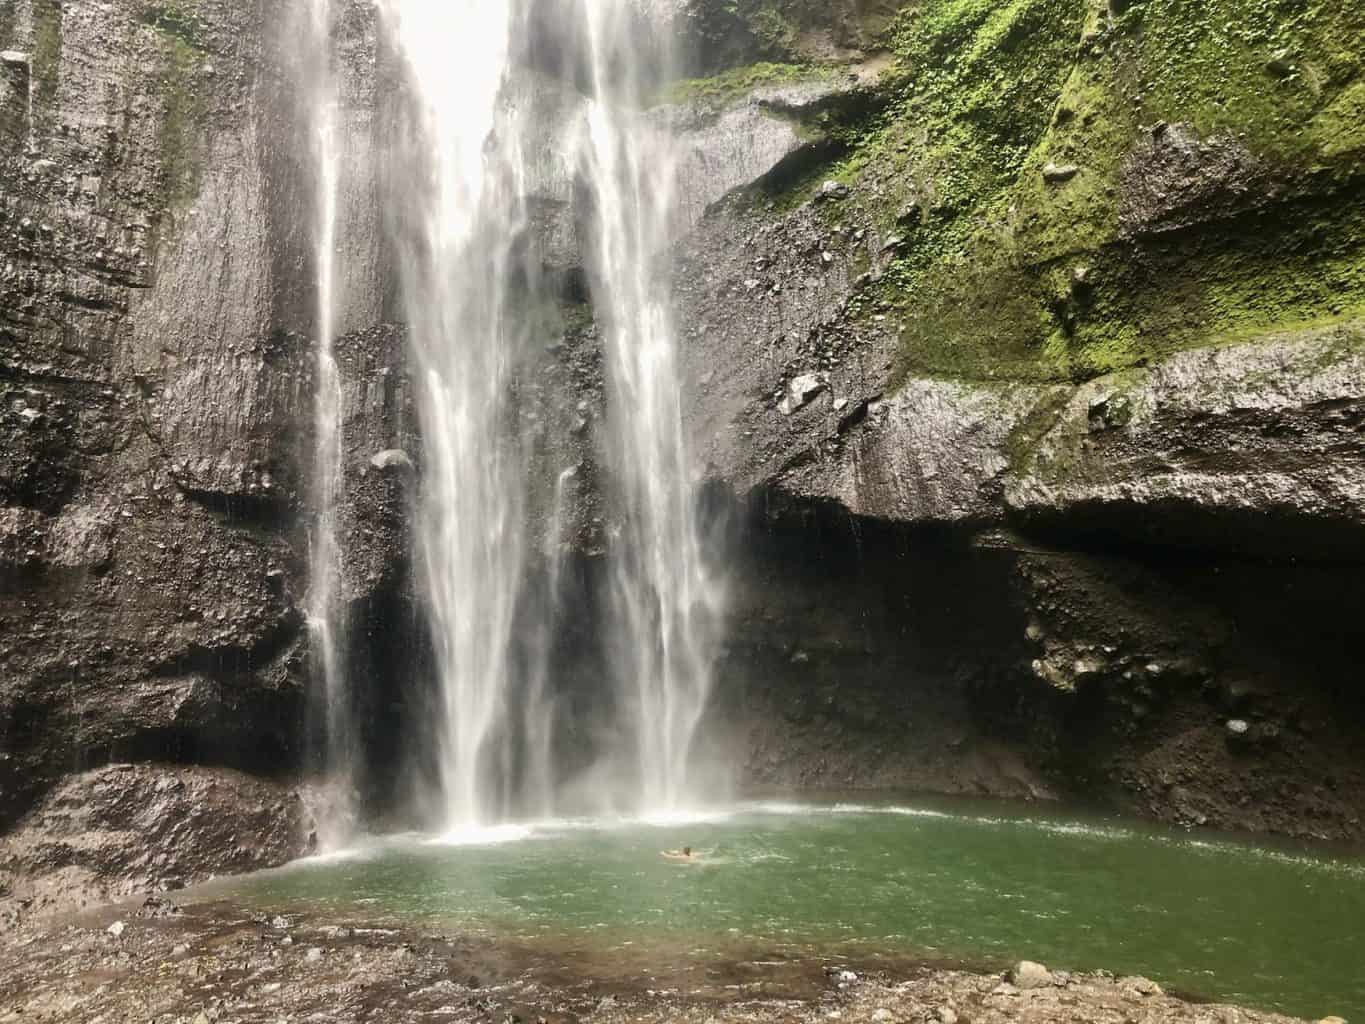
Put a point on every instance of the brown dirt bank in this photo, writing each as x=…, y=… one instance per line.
x=218, y=963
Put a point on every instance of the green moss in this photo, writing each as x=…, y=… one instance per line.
x=1002, y=274
x=1256, y=70
x=184, y=109
x=46, y=59
x=7, y=10
x=728, y=86
x=1292, y=265
x=177, y=19
x=988, y=93
x=774, y=30
x=971, y=89
x=1338, y=130
x=1270, y=75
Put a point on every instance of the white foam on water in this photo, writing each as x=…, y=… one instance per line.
x=1071, y=828
x=905, y=812
x=484, y=835
x=361, y=847
x=681, y=816
x=779, y=807
x=796, y=810
x=338, y=856
x=1299, y=860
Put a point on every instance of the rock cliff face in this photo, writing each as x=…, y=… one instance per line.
x=1079, y=286
x=1024, y=346
x=155, y=312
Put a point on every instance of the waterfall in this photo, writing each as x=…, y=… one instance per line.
x=470, y=294
x=326, y=619
x=457, y=213
x=666, y=594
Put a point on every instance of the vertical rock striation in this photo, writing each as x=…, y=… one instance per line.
x=155, y=325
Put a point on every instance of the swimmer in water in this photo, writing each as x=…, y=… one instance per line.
x=685, y=854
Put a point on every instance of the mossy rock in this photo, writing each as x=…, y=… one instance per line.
x=1097, y=183
x=728, y=86
x=723, y=34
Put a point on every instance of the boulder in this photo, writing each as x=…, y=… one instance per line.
x=1029, y=975
x=393, y=459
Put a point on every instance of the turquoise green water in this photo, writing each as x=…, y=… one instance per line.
x=1269, y=927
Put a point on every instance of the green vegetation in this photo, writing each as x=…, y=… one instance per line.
x=46, y=60
x=733, y=32
x=1003, y=274
x=772, y=28
x=728, y=86
x=179, y=31
x=1261, y=81
x=7, y=41
x=179, y=19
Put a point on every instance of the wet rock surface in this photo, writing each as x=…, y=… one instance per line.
x=222, y=963
x=156, y=373
x=106, y=834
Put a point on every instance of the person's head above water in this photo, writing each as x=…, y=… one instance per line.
x=687, y=851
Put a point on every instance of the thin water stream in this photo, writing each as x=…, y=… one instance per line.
x=326, y=618
x=1273, y=927
x=667, y=591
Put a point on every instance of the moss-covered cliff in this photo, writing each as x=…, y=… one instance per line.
x=1083, y=282
x=1077, y=187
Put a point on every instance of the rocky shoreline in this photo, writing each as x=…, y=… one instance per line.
x=160, y=963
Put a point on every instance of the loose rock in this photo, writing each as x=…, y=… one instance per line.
x=393, y=458
x=1057, y=174
x=1026, y=975
x=1142, y=986
x=801, y=391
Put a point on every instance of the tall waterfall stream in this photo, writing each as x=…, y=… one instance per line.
x=474, y=304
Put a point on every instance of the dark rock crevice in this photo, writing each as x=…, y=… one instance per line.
x=946, y=660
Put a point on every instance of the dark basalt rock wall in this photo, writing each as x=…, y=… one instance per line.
x=156, y=306
x=1178, y=684
x=152, y=398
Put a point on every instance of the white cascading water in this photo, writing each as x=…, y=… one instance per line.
x=458, y=202
x=666, y=595
x=460, y=209
x=336, y=810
